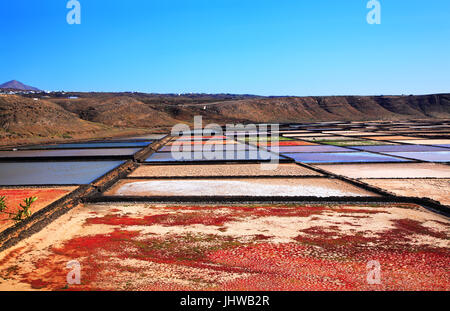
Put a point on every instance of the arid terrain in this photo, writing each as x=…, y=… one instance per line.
x=348, y=206
x=234, y=247
x=48, y=117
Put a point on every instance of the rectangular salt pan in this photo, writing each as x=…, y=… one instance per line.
x=393, y=138
x=111, y=152
x=255, y=187
x=435, y=189
x=265, y=138
x=211, y=156
x=54, y=173
x=389, y=170
x=356, y=143
x=327, y=138
x=426, y=141
x=234, y=169
x=303, y=149
x=202, y=142
x=94, y=145
x=191, y=148
x=200, y=138
x=285, y=143
x=441, y=156
x=305, y=135
x=399, y=148
x=349, y=157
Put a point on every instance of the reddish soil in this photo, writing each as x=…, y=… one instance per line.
x=281, y=247
x=15, y=197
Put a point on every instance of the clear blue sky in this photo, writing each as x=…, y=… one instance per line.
x=267, y=47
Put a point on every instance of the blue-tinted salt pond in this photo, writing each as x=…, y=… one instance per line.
x=301, y=149
x=105, y=152
x=344, y=157
x=213, y=148
x=54, y=173
x=399, y=148
x=90, y=145
x=143, y=137
x=441, y=156
x=212, y=156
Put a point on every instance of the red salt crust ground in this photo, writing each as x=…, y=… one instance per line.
x=260, y=247
x=15, y=196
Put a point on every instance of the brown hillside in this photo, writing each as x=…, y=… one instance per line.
x=151, y=111
x=117, y=111
x=94, y=114
x=22, y=118
x=295, y=109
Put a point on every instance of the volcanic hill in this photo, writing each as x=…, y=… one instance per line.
x=49, y=116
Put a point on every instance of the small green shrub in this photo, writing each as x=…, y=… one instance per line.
x=2, y=204
x=23, y=212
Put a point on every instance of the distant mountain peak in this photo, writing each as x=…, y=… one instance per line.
x=14, y=84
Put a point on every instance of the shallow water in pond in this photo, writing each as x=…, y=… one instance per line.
x=441, y=156
x=211, y=156
x=301, y=149
x=53, y=173
x=344, y=157
x=90, y=145
x=69, y=153
x=399, y=148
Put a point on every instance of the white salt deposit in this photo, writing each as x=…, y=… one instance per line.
x=236, y=188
